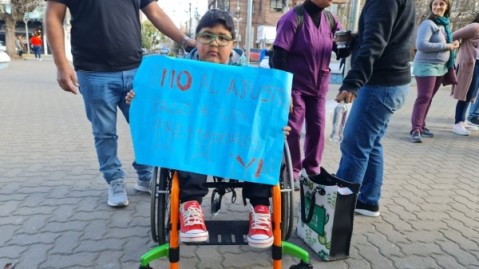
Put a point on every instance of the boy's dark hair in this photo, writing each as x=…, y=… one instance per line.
x=214, y=17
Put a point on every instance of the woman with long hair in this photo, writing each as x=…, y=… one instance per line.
x=435, y=55
x=467, y=63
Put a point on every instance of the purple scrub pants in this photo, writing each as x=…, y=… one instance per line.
x=311, y=110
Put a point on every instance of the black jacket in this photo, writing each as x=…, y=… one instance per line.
x=382, y=46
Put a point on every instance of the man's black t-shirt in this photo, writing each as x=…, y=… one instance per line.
x=105, y=34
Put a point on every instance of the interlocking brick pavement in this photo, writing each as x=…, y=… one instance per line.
x=53, y=211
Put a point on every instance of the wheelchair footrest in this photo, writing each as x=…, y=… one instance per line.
x=226, y=232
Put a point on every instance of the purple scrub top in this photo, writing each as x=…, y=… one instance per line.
x=309, y=51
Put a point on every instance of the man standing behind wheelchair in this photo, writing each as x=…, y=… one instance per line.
x=215, y=38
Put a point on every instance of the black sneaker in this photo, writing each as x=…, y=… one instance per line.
x=426, y=132
x=416, y=136
x=367, y=210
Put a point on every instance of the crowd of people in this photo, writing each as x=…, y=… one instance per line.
x=376, y=84
x=436, y=46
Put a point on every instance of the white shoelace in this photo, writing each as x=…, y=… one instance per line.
x=193, y=216
x=261, y=221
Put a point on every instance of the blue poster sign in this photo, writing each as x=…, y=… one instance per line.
x=209, y=118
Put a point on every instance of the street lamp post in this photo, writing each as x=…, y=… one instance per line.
x=191, y=23
x=237, y=18
x=27, y=38
x=353, y=26
x=249, y=12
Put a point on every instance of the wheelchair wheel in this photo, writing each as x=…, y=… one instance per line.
x=287, y=190
x=160, y=205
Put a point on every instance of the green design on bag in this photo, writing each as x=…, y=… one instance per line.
x=319, y=219
x=323, y=255
x=332, y=200
x=309, y=238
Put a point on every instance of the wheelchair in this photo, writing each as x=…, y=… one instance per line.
x=164, y=217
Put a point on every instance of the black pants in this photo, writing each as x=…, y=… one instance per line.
x=192, y=187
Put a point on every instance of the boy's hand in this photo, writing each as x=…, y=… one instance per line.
x=286, y=130
x=129, y=96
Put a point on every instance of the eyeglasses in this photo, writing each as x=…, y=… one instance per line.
x=207, y=38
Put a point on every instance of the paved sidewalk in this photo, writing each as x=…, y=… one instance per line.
x=53, y=211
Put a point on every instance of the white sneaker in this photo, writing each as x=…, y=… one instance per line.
x=143, y=186
x=460, y=129
x=470, y=126
x=117, y=193
x=468, y=122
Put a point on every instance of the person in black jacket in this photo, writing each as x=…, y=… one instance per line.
x=378, y=81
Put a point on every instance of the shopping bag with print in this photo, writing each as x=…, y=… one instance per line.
x=327, y=214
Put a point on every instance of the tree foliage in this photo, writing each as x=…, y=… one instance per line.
x=150, y=36
x=11, y=14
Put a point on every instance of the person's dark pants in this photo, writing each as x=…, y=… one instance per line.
x=38, y=51
x=192, y=187
x=426, y=89
x=312, y=111
x=461, y=107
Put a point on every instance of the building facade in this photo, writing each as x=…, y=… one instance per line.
x=265, y=15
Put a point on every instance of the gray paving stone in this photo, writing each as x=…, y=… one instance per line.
x=419, y=262
x=66, y=243
x=78, y=260
x=53, y=211
x=34, y=256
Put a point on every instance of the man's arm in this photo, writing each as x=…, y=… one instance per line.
x=377, y=30
x=55, y=14
x=165, y=25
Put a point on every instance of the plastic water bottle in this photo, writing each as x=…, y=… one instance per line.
x=339, y=119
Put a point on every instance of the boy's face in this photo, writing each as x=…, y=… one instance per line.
x=214, y=44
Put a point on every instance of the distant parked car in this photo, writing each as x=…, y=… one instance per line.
x=164, y=50
x=2, y=46
x=254, y=55
x=4, y=59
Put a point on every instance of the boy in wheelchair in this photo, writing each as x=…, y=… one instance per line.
x=215, y=36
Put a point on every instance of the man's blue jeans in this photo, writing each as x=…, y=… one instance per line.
x=103, y=93
x=361, y=149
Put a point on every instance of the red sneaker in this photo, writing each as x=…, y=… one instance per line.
x=260, y=234
x=192, y=223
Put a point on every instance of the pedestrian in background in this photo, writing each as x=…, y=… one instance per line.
x=306, y=51
x=379, y=80
x=18, y=45
x=435, y=55
x=106, y=48
x=37, y=43
x=467, y=63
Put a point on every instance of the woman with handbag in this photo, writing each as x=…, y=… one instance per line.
x=467, y=73
x=434, y=57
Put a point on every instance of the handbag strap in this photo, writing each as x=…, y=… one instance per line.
x=305, y=219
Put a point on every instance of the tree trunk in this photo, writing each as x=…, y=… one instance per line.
x=10, y=36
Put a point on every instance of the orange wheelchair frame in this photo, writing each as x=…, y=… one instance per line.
x=165, y=230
